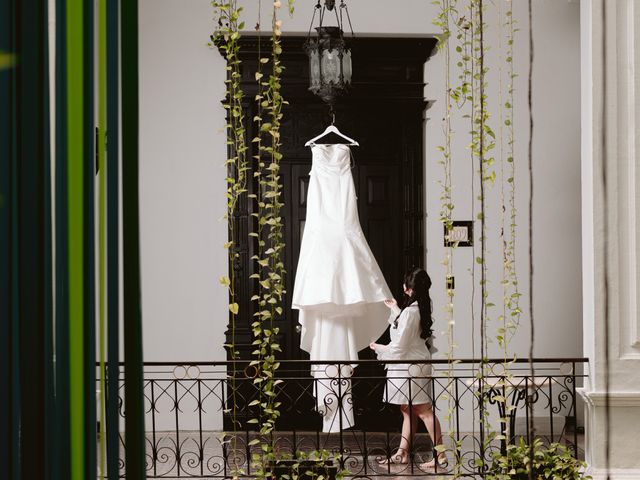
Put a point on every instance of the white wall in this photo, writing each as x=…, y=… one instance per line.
x=182, y=178
x=556, y=207
x=556, y=159
x=182, y=148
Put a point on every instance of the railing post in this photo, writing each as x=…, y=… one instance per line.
x=154, y=447
x=575, y=411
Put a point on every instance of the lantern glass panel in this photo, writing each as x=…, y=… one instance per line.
x=330, y=66
x=346, y=66
x=314, y=68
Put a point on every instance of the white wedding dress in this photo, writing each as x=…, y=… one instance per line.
x=339, y=288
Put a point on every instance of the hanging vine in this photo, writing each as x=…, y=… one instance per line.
x=444, y=20
x=483, y=141
x=507, y=326
x=471, y=87
x=468, y=38
x=512, y=294
x=270, y=271
x=469, y=35
x=226, y=37
x=511, y=311
x=510, y=305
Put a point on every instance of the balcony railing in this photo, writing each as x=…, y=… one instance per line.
x=197, y=414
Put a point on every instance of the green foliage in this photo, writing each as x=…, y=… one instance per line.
x=511, y=295
x=444, y=20
x=7, y=60
x=268, y=232
x=463, y=43
x=552, y=462
x=269, y=272
x=317, y=465
x=509, y=317
x=226, y=37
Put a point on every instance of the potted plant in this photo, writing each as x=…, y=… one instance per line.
x=317, y=465
x=553, y=462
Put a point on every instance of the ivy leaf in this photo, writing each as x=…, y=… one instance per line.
x=7, y=60
x=234, y=308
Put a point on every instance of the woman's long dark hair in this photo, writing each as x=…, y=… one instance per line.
x=419, y=282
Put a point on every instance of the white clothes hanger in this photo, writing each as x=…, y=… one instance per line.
x=332, y=129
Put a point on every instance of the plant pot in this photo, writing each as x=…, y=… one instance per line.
x=301, y=469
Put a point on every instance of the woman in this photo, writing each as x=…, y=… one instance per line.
x=406, y=383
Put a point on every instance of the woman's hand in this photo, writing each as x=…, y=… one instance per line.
x=391, y=303
x=373, y=346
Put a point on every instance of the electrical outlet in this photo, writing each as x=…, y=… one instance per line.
x=451, y=284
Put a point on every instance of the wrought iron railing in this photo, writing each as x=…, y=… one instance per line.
x=198, y=414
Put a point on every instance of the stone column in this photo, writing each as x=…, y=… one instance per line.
x=610, y=230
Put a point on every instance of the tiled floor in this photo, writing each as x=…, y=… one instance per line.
x=178, y=455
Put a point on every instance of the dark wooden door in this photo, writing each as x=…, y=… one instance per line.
x=385, y=113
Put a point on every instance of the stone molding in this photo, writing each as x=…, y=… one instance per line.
x=614, y=473
x=611, y=231
x=616, y=399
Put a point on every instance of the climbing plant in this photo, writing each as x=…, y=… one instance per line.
x=444, y=21
x=464, y=27
x=511, y=296
x=509, y=318
x=227, y=38
x=482, y=145
x=263, y=170
x=7, y=60
x=269, y=266
x=269, y=270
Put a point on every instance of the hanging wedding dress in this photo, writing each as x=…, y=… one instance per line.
x=339, y=288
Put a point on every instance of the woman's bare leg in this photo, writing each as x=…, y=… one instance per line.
x=425, y=412
x=409, y=425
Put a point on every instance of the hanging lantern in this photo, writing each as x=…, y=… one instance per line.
x=329, y=56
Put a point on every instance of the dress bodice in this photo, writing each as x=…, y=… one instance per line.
x=331, y=200
x=331, y=159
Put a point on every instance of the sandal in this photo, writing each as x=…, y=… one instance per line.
x=396, y=459
x=436, y=466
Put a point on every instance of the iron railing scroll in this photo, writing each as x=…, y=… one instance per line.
x=188, y=434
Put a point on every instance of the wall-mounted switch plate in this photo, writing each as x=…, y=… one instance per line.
x=451, y=283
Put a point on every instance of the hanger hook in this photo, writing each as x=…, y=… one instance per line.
x=333, y=118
